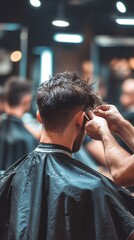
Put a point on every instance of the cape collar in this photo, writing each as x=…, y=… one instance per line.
x=53, y=148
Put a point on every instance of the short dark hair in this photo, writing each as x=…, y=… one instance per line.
x=60, y=97
x=2, y=94
x=16, y=89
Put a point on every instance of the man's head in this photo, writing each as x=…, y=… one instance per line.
x=18, y=93
x=127, y=93
x=62, y=100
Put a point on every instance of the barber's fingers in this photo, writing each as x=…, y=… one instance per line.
x=104, y=107
x=102, y=110
x=99, y=112
x=91, y=115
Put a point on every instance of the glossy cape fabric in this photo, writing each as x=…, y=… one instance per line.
x=15, y=141
x=50, y=196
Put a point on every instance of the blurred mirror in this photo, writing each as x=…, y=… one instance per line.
x=13, y=50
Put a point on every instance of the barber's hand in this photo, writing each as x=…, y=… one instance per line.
x=111, y=114
x=96, y=126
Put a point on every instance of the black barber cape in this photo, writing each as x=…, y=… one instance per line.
x=48, y=195
x=15, y=141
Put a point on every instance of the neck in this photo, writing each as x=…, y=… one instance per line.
x=65, y=138
x=15, y=111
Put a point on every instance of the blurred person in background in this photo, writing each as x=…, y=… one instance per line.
x=15, y=139
x=127, y=102
x=119, y=70
x=127, y=99
x=87, y=68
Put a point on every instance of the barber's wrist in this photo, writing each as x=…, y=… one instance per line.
x=121, y=126
x=116, y=125
x=104, y=131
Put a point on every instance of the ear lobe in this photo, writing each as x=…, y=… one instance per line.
x=38, y=117
x=80, y=118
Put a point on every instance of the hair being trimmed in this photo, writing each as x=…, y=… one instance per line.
x=60, y=97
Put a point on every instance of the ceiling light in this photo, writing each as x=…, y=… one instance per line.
x=35, y=3
x=121, y=7
x=68, y=38
x=60, y=23
x=125, y=21
x=109, y=41
x=60, y=19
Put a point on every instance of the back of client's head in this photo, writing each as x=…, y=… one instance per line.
x=61, y=97
x=16, y=89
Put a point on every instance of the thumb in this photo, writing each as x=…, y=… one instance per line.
x=100, y=113
x=91, y=115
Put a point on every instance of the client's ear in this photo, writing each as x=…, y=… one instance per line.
x=80, y=118
x=38, y=117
